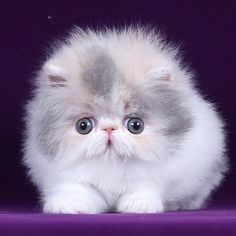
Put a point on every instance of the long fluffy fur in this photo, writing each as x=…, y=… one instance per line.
x=175, y=163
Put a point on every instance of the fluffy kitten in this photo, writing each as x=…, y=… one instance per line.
x=115, y=123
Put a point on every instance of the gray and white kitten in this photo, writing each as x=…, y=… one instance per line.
x=115, y=123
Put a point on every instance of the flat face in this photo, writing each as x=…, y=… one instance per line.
x=110, y=89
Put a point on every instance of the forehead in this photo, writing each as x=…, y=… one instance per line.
x=100, y=74
x=110, y=91
x=106, y=85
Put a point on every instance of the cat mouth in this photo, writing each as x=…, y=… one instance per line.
x=109, y=143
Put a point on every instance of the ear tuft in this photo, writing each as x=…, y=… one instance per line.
x=162, y=74
x=158, y=79
x=56, y=81
x=56, y=76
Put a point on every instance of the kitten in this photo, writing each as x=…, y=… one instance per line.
x=116, y=123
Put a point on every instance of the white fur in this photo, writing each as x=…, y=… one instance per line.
x=130, y=178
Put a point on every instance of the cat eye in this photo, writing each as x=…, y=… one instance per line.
x=85, y=125
x=135, y=125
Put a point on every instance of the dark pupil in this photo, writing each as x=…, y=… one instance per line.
x=83, y=125
x=136, y=125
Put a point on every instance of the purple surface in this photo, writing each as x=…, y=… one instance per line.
x=207, y=30
x=182, y=223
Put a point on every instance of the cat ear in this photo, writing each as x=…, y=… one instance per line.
x=56, y=76
x=158, y=79
x=160, y=74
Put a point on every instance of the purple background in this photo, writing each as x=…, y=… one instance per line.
x=206, y=29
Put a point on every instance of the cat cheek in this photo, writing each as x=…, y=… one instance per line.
x=141, y=142
x=99, y=135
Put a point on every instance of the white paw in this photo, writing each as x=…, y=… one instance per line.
x=80, y=200
x=138, y=204
x=69, y=205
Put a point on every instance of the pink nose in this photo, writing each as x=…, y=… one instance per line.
x=109, y=130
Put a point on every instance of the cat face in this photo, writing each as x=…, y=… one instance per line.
x=99, y=112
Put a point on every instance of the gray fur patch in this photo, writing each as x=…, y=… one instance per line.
x=100, y=74
x=166, y=104
x=138, y=103
x=49, y=126
x=178, y=117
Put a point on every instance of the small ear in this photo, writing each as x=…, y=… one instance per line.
x=158, y=79
x=161, y=74
x=56, y=76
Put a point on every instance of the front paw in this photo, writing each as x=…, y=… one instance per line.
x=68, y=205
x=139, y=204
x=74, y=199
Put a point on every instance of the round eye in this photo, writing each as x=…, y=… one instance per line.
x=85, y=125
x=135, y=125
